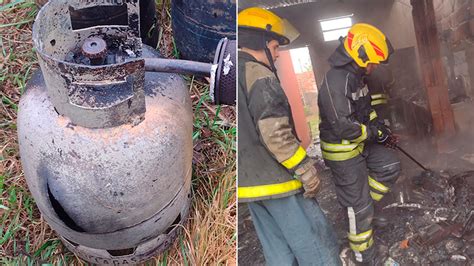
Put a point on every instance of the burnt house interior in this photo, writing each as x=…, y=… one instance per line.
x=431, y=109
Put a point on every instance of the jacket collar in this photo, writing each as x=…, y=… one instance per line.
x=246, y=57
x=340, y=59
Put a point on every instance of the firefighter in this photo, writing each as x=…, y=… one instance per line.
x=275, y=176
x=355, y=143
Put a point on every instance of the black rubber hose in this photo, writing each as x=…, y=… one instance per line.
x=177, y=66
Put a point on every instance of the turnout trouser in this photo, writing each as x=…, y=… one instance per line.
x=294, y=231
x=360, y=181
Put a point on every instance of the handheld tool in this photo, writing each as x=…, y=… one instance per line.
x=427, y=171
x=411, y=157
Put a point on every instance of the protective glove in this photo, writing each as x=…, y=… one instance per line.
x=386, y=137
x=307, y=173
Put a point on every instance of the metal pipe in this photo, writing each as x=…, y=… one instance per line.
x=178, y=66
x=413, y=159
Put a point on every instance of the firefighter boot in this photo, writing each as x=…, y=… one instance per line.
x=380, y=219
x=374, y=257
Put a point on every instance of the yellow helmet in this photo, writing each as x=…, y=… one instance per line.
x=367, y=44
x=259, y=19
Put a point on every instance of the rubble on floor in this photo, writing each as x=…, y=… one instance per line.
x=431, y=220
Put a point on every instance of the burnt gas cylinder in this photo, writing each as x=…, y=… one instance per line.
x=198, y=25
x=116, y=15
x=106, y=147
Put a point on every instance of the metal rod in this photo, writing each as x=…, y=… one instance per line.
x=178, y=66
x=413, y=159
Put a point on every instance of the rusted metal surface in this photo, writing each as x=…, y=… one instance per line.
x=151, y=247
x=434, y=77
x=72, y=86
x=116, y=15
x=96, y=175
x=111, y=175
x=95, y=49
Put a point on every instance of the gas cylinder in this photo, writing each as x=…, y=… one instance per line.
x=105, y=15
x=106, y=147
x=198, y=25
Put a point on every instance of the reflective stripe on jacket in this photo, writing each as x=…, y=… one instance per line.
x=377, y=99
x=346, y=149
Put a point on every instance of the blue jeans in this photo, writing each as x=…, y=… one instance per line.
x=294, y=231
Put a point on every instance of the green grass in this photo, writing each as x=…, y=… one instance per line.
x=25, y=238
x=8, y=101
x=20, y=58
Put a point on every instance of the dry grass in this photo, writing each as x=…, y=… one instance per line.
x=209, y=236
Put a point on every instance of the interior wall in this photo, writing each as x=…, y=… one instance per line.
x=397, y=24
x=455, y=25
